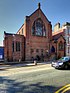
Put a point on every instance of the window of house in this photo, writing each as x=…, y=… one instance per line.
x=41, y=50
x=68, y=49
x=17, y=46
x=68, y=31
x=61, y=45
x=13, y=46
x=68, y=40
x=22, y=31
x=38, y=28
x=19, y=32
x=32, y=50
x=37, y=50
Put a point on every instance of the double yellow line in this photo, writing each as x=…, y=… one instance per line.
x=63, y=89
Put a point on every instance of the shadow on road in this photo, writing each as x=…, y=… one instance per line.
x=12, y=86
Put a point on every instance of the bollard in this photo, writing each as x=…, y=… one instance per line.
x=19, y=60
x=35, y=62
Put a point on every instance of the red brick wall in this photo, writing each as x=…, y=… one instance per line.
x=37, y=42
x=7, y=48
x=8, y=51
x=30, y=42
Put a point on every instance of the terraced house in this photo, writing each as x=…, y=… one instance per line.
x=33, y=40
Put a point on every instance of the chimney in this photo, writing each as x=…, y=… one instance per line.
x=56, y=26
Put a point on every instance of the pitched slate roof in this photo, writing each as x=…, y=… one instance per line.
x=11, y=34
x=41, y=11
x=57, y=36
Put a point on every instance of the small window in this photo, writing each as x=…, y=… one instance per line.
x=61, y=45
x=68, y=40
x=31, y=51
x=19, y=32
x=68, y=49
x=17, y=46
x=68, y=31
x=37, y=50
x=13, y=46
x=22, y=31
x=41, y=50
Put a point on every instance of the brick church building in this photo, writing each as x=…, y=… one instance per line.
x=33, y=39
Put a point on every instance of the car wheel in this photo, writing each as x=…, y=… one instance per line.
x=66, y=67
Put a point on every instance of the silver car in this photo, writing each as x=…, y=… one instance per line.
x=63, y=62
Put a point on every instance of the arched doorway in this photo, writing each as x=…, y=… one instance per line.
x=53, y=54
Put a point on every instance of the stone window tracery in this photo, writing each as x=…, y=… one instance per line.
x=38, y=28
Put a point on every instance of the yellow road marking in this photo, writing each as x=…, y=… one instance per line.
x=63, y=89
x=66, y=90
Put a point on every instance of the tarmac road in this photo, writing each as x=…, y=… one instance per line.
x=41, y=78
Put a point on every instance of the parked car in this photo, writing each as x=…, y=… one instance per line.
x=63, y=62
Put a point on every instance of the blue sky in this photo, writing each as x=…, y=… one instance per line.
x=13, y=12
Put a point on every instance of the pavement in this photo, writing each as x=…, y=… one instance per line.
x=13, y=65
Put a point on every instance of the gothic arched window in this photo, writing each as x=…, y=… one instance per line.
x=61, y=45
x=38, y=28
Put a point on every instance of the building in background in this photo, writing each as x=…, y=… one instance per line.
x=65, y=32
x=66, y=28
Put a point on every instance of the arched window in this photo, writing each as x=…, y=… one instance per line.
x=38, y=28
x=61, y=45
